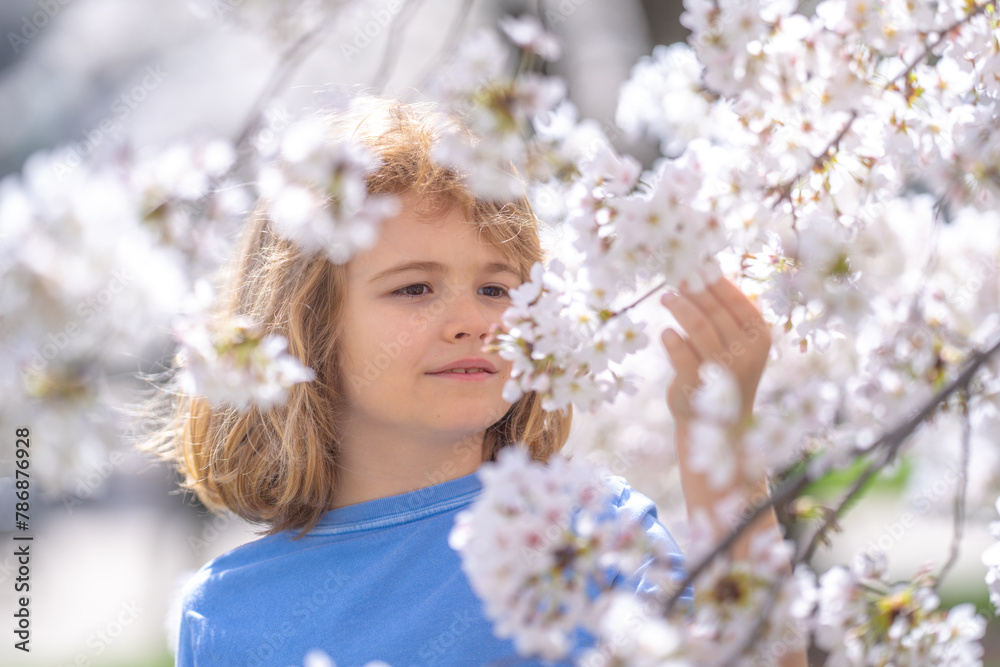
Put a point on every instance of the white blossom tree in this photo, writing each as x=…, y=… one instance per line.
x=842, y=166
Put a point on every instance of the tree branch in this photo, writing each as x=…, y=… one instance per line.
x=890, y=441
x=454, y=32
x=290, y=60
x=819, y=161
x=941, y=37
x=893, y=440
x=392, y=44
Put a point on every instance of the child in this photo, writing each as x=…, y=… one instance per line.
x=359, y=475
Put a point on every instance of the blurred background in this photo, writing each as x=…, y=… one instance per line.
x=111, y=547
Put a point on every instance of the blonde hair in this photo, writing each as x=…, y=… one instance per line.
x=278, y=466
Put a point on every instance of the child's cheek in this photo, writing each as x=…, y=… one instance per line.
x=417, y=322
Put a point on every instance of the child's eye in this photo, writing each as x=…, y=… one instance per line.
x=417, y=289
x=407, y=291
x=500, y=291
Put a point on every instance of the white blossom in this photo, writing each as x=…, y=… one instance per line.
x=534, y=543
x=317, y=193
x=862, y=619
x=233, y=361
x=527, y=32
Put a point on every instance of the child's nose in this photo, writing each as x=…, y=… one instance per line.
x=466, y=316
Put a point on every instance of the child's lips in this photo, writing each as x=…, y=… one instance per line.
x=468, y=377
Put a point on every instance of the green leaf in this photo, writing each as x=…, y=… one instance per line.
x=835, y=483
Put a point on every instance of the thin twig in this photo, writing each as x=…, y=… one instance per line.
x=832, y=516
x=641, y=299
x=941, y=37
x=819, y=161
x=756, y=633
x=959, y=516
x=451, y=41
x=790, y=489
x=392, y=44
x=290, y=60
x=894, y=439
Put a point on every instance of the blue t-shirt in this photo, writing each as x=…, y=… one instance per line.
x=371, y=581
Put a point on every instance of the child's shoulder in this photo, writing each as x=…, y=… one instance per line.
x=238, y=560
x=624, y=499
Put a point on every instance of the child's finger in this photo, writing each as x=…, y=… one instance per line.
x=726, y=327
x=683, y=357
x=736, y=302
x=702, y=334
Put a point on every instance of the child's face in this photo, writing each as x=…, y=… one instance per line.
x=394, y=340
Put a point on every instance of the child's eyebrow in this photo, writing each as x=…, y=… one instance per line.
x=437, y=267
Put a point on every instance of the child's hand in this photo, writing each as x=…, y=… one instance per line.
x=722, y=326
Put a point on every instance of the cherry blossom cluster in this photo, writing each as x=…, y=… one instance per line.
x=727, y=621
x=540, y=548
x=860, y=71
x=519, y=133
x=233, y=361
x=750, y=606
x=861, y=619
x=826, y=118
x=501, y=110
x=536, y=552
x=928, y=290
x=84, y=285
x=559, y=343
x=96, y=263
x=562, y=330
x=316, y=191
x=192, y=199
